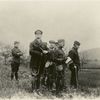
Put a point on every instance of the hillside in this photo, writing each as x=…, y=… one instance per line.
x=92, y=54
x=91, y=57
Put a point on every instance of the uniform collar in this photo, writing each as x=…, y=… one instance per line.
x=16, y=47
x=60, y=47
x=75, y=49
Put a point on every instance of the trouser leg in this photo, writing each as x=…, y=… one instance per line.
x=34, y=80
x=49, y=83
x=33, y=83
x=12, y=75
x=74, y=78
x=58, y=81
x=58, y=85
x=38, y=82
x=16, y=72
x=12, y=71
x=16, y=75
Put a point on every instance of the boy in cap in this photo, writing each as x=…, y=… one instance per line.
x=75, y=65
x=16, y=53
x=60, y=59
x=36, y=52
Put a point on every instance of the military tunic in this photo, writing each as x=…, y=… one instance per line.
x=60, y=59
x=16, y=53
x=73, y=54
x=51, y=69
x=37, y=61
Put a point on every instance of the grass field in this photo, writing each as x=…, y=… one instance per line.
x=89, y=85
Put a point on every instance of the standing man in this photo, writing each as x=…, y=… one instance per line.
x=60, y=59
x=36, y=63
x=16, y=53
x=75, y=65
x=50, y=66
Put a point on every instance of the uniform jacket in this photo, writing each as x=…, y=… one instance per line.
x=60, y=57
x=16, y=53
x=50, y=55
x=36, y=53
x=73, y=54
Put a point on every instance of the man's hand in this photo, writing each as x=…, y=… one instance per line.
x=45, y=51
x=20, y=54
x=75, y=67
x=41, y=54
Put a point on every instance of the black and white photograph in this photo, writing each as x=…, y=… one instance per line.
x=49, y=49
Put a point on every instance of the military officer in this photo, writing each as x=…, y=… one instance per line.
x=36, y=63
x=75, y=65
x=16, y=53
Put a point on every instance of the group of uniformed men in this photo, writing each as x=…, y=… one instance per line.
x=48, y=63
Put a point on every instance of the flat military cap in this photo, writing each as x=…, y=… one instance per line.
x=61, y=40
x=77, y=43
x=38, y=32
x=16, y=42
x=52, y=41
x=56, y=43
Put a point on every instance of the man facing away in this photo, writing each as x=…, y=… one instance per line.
x=75, y=65
x=36, y=63
x=16, y=54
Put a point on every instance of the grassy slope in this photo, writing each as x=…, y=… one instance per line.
x=88, y=80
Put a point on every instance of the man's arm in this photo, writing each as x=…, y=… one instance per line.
x=16, y=53
x=71, y=54
x=32, y=50
x=20, y=53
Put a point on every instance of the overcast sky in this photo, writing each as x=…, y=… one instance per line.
x=70, y=19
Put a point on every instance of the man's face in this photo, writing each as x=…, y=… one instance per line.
x=16, y=45
x=52, y=45
x=62, y=44
x=38, y=36
x=77, y=46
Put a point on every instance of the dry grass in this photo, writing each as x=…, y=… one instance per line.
x=88, y=79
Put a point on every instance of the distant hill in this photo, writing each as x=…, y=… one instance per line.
x=92, y=57
x=92, y=54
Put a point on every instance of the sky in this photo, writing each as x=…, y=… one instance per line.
x=58, y=19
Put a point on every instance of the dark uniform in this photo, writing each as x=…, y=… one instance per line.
x=51, y=69
x=73, y=54
x=16, y=53
x=60, y=59
x=37, y=61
